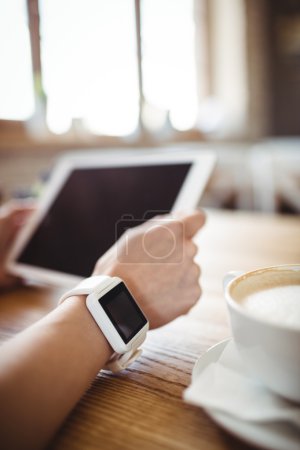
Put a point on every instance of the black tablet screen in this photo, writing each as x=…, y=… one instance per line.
x=88, y=214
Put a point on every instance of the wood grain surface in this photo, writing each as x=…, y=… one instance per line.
x=142, y=407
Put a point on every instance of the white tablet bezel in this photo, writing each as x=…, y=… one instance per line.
x=188, y=198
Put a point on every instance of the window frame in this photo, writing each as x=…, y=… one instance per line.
x=14, y=134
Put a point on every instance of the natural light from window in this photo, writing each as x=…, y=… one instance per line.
x=169, y=69
x=16, y=84
x=89, y=65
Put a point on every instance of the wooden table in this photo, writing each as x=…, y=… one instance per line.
x=142, y=407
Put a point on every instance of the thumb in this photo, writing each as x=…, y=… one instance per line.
x=192, y=222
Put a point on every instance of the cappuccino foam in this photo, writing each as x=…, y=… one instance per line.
x=272, y=296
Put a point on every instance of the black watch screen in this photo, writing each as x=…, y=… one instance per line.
x=123, y=312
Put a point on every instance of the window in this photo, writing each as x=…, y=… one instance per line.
x=168, y=62
x=141, y=70
x=16, y=83
x=89, y=65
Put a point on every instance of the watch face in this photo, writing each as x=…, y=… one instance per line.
x=123, y=312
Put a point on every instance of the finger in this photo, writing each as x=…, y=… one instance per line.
x=191, y=299
x=15, y=208
x=192, y=275
x=12, y=217
x=196, y=271
x=191, y=249
x=192, y=222
x=179, y=221
x=20, y=216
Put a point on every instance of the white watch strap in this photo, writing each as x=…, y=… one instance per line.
x=86, y=286
x=118, y=361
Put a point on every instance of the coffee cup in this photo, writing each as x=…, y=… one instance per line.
x=264, y=309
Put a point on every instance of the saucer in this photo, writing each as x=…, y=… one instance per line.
x=273, y=435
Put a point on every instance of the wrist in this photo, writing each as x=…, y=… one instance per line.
x=78, y=316
x=116, y=313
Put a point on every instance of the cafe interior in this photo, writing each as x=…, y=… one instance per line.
x=161, y=77
x=198, y=74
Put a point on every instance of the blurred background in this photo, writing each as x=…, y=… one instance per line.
x=171, y=74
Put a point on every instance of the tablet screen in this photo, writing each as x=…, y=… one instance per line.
x=88, y=214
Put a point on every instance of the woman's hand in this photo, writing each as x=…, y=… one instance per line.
x=48, y=367
x=156, y=261
x=13, y=215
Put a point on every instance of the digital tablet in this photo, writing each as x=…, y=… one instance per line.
x=90, y=200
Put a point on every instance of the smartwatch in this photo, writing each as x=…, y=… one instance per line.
x=118, y=316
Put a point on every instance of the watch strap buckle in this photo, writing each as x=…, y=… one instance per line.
x=120, y=362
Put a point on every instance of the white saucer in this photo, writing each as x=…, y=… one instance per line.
x=275, y=435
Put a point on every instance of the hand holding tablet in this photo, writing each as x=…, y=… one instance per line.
x=82, y=212
x=73, y=225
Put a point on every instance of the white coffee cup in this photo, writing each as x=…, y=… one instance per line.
x=266, y=333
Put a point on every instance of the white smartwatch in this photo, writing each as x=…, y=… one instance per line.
x=118, y=316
